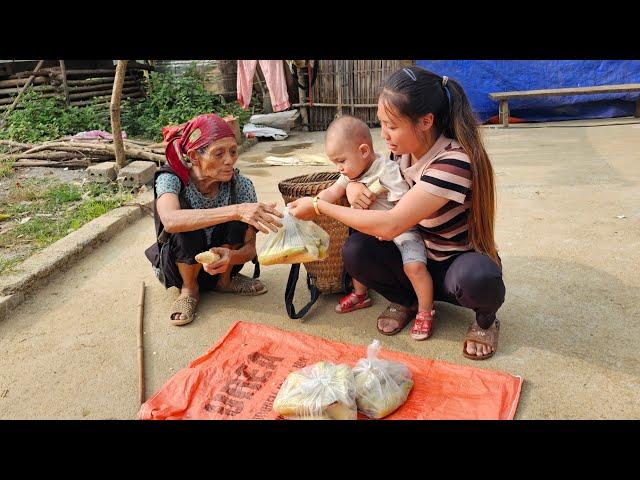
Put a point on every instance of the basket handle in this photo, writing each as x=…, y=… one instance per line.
x=291, y=290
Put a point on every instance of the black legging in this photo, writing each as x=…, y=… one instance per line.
x=470, y=279
x=183, y=247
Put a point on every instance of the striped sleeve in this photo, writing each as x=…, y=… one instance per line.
x=448, y=178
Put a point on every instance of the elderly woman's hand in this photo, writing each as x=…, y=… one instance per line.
x=263, y=217
x=221, y=265
x=360, y=196
x=302, y=208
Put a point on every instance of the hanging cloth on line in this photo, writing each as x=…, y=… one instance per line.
x=273, y=71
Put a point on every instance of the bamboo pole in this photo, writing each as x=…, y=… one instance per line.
x=74, y=162
x=363, y=105
x=40, y=88
x=21, y=81
x=11, y=143
x=84, y=147
x=141, y=386
x=98, y=71
x=103, y=79
x=106, y=100
x=44, y=155
x=101, y=86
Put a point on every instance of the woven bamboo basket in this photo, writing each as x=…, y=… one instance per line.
x=328, y=273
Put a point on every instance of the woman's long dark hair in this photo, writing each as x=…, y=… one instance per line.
x=414, y=92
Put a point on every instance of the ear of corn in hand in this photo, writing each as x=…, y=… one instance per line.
x=377, y=188
x=207, y=257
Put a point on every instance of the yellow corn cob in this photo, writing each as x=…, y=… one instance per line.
x=377, y=188
x=207, y=257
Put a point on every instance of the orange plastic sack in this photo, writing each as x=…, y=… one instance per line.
x=240, y=376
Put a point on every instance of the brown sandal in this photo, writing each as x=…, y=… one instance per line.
x=186, y=306
x=400, y=314
x=488, y=337
x=243, y=285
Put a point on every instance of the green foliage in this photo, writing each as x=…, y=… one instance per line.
x=174, y=100
x=41, y=119
x=6, y=168
x=63, y=193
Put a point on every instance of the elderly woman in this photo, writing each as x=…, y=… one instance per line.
x=202, y=203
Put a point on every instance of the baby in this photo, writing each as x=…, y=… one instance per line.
x=349, y=146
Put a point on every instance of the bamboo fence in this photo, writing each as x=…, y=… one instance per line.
x=348, y=87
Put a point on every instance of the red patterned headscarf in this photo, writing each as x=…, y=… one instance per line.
x=196, y=133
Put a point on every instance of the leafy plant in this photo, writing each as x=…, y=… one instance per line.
x=173, y=99
x=41, y=119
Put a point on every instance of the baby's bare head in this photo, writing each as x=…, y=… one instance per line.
x=348, y=132
x=349, y=146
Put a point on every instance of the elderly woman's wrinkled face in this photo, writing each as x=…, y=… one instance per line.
x=217, y=160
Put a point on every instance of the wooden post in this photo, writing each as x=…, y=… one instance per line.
x=504, y=113
x=141, y=392
x=114, y=108
x=63, y=71
x=304, y=112
x=339, y=85
x=266, y=101
x=26, y=85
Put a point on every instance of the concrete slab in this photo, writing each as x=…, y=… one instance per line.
x=136, y=174
x=103, y=172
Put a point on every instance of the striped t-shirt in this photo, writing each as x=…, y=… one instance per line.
x=445, y=171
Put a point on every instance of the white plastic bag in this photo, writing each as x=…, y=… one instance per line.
x=322, y=391
x=262, y=131
x=297, y=241
x=382, y=386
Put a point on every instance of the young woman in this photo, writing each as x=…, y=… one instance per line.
x=429, y=126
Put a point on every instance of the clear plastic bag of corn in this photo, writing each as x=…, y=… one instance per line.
x=382, y=386
x=322, y=391
x=297, y=241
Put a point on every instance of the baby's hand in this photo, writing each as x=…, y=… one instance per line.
x=360, y=196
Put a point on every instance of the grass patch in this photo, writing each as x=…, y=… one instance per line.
x=54, y=211
x=64, y=193
x=6, y=168
x=9, y=266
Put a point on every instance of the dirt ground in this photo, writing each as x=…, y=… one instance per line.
x=570, y=322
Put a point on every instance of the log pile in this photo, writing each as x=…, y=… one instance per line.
x=76, y=152
x=85, y=86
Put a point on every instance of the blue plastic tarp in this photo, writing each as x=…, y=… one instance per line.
x=479, y=78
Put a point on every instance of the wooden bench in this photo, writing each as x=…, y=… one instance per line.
x=504, y=97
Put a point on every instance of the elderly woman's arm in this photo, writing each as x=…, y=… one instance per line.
x=414, y=206
x=263, y=217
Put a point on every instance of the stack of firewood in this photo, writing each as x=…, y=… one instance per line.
x=74, y=152
x=84, y=86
